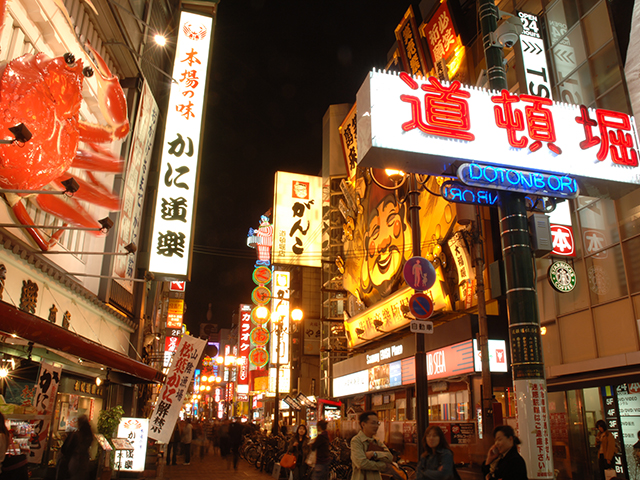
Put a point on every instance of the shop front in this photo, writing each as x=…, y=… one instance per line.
x=387, y=387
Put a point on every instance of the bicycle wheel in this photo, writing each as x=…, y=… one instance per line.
x=251, y=455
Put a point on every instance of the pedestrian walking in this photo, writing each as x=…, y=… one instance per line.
x=503, y=461
x=187, y=438
x=74, y=461
x=369, y=455
x=606, y=444
x=235, y=437
x=173, y=445
x=320, y=445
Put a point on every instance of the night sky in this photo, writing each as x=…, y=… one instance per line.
x=277, y=67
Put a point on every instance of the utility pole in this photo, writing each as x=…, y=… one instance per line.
x=522, y=303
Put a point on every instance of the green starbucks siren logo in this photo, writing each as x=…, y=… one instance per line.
x=562, y=277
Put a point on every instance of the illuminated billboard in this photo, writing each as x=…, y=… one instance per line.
x=170, y=253
x=297, y=220
x=413, y=124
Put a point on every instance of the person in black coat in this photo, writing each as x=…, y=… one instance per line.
x=503, y=461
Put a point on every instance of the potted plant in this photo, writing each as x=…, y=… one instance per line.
x=108, y=422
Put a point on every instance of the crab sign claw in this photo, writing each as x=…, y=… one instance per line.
x=113, y=106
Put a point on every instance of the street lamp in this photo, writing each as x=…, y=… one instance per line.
x=277, y=317
x=415, y=182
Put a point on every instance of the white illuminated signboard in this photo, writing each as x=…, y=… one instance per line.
x=413, y=124
x=533, y=56
x=175, y=201
x=136, y=431
x=297, y=224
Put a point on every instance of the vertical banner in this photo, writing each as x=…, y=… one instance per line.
x=280, y=317
x=297, y=225
x=531, y=399
x=135, y=185
x=534, y=59
x=349, y=139
x=136, y=431
x=174, y=390
x=440, y=34
x=244, y=347
x=410, y=46
x=175, y=202
x=44, y=400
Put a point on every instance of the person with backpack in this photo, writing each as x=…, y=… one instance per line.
x=436, y=462
x=606, y=444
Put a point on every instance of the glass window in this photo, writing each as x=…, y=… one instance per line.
x=560, y=18
x=568, y=54
x=615, y=100
x=628, y=208
x=605, y=274
x=586, y=5
x=605, y=69
x=597, y=28
x=631, y=251
x=576, y=89
x=599, y=226
x=576, y=299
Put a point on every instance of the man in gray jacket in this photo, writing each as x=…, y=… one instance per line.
x=369, y=455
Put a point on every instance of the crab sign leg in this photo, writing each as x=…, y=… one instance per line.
x=93, y=192
x=68, y=210
x=98, y=160
x=20, y=211
x=113, y=106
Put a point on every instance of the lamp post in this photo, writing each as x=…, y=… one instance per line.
x=415, y=181
x=296, y=315
x=520, y=279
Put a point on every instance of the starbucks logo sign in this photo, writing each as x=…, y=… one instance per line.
x=562, y=277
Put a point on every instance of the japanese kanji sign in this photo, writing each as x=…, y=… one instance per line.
x=244, y=344
x=440, y=34
x=173, y=392
x=173, y=218
x=416, y=125
x=410, y=45
x=297, y=225
x=135, y=184
x=563, y=242
x=44, y=399
x=349, y=137
x=135, y=430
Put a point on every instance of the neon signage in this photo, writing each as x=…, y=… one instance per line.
x=460, y=193
x=412, y=124
x=517, y=180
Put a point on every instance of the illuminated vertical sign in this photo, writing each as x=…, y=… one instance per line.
x=261, y=239
x=349, y=139
x=410, y=45
x=440, y=34
x=175, y=202
x=136, y=431
x=280, y=317
x=533, y=57
x=297, y=225
x=244, y=344
x=175, y=313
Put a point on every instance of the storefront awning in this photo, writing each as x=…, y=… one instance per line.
x=14, y=321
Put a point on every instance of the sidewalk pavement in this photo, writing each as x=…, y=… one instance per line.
x=212, y=466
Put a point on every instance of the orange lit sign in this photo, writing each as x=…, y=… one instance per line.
x=175, y=313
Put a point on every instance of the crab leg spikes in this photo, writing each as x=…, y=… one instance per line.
x=93, y=192
x=20, y=211
x=113, y=105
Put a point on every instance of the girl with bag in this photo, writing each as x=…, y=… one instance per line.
x=436, y=462
x=300, y=449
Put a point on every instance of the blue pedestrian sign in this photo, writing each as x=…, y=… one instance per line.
x=421, y=305
x=419, y=274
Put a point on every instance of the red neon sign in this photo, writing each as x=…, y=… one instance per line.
x=563, y=242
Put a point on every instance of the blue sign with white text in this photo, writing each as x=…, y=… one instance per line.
x=517, y=180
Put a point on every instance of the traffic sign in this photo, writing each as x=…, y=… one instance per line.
x=421, y=305
x=419, y=273
x=421, y=326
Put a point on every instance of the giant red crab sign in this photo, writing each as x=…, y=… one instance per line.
x=45, y=95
